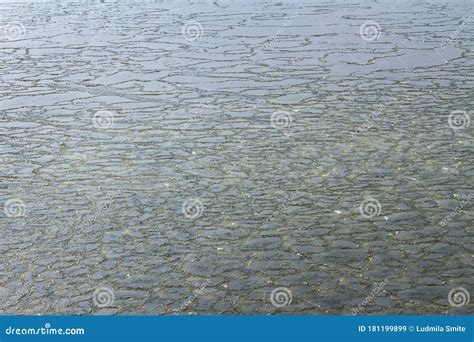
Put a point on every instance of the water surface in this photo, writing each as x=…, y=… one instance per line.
x=191, y=87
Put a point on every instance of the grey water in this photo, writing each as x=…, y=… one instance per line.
x=192, y=157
